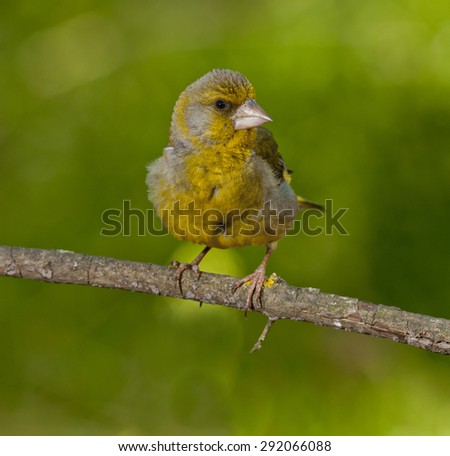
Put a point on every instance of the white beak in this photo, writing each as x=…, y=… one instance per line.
x=249, y=115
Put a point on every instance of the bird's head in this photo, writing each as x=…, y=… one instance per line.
x=219, y=109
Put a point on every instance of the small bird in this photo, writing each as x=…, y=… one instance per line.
x=221, y=181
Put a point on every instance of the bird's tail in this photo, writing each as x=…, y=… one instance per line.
x=305, y=204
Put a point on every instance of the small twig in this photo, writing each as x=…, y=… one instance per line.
x=262, y=337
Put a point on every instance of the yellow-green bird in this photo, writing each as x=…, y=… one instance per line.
x=221, y=181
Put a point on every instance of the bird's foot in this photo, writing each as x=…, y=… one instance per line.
x=256, y=284
x=181, y=267
x=193, y=266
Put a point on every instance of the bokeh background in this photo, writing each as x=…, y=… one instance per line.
x=360, y=97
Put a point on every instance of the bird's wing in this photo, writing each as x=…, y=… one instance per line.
x=267, y=149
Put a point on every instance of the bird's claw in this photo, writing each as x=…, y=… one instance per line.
x=193, y=266
x=256, y=280
x=181, y=267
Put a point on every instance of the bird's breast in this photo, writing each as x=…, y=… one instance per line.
x=224, y=181
x=217, y=199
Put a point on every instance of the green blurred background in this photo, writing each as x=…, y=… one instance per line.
x=360, y=97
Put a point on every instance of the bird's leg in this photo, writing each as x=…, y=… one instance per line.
x=193, y=266
x=257, y=280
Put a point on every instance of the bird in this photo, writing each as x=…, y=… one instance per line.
x=221, y=181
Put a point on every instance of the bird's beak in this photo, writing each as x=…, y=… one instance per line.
x=249, y=115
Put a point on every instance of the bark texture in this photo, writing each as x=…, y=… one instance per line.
x=280, y=300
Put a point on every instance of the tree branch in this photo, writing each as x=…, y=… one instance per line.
x=280, y=300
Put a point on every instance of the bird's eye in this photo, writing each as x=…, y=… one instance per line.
x=220, y=104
